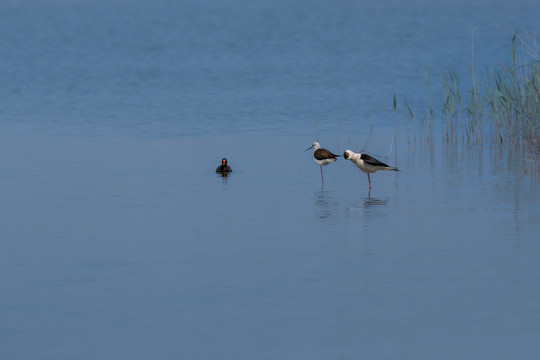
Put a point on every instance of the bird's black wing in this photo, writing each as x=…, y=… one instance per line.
x=321, y=154
x=372, y=161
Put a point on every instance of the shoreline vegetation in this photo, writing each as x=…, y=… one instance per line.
x=503, y=106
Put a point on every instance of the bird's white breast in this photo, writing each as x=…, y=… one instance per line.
x=363, y=166
x=324, y=161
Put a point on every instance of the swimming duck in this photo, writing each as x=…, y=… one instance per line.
x=223, y=168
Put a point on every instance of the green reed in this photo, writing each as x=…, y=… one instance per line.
x=502, y=107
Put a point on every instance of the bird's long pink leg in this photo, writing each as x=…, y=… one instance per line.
x=322, y=178
x=369, y=181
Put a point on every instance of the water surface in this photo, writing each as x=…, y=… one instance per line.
x=120, y=241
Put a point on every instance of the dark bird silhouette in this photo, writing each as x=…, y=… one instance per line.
x=223, y=168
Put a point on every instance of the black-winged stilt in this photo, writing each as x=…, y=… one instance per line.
x=223, y=168
x=367, y=163
x=322, y=156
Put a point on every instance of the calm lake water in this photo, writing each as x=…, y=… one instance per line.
x=118, y=240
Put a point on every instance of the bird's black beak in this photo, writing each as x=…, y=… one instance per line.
x=311, y=147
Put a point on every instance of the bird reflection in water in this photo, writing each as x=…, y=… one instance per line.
x=369, y=202
x=325, y=204
x=368, y=206
x=223, y=175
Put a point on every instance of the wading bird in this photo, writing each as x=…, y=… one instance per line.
x=322, y=156
x=367, y=163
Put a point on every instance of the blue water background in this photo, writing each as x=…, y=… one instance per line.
x=118, y=240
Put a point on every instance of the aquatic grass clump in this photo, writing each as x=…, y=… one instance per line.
x=513, y=101
x=504, y=107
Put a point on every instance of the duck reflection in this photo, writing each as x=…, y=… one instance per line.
x=223, y=175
